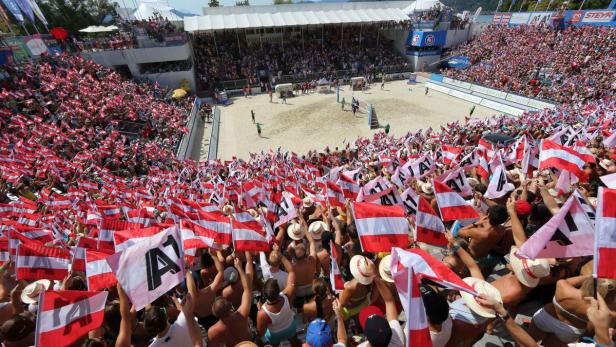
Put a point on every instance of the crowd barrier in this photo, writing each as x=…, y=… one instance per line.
x=511, y=103
x=212, y=153
x=185, y=146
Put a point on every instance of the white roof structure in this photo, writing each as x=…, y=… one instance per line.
x=98, y=29
x=146, y=11
x=420, y=5
x=248, y=17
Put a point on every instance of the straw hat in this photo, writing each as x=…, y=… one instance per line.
x=227, y=210
x=360, y=269
x=385, y=269
x=31, y=292
x=529, y=272
x=427, y=189
x=481, y=287
x=295, y=231
x=317, y=228
x=307, y=202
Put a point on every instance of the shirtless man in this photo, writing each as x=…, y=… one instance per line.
x=485, y=235
x=305, y=265
x=232, y=327
x=204, y=298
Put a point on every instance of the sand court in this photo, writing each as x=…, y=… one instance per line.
x=314, y=121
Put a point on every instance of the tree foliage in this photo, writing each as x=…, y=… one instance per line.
x=75, y=14
x=282, y=2
x=242, y=3
x=214, y=3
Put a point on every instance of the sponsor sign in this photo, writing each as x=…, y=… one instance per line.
x=598, y=16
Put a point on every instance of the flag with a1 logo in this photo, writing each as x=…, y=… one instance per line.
x=150, y=268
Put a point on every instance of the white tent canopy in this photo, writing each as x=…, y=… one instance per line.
x=98, y=29
x=291, y=18
x=147, y=11
x=420, y=5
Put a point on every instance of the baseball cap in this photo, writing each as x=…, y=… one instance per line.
x=230, y=276
x=523, y=208
x=367, y=312
x=378, y=332
x=319, y=334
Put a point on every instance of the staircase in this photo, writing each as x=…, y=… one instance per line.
x=374, y=120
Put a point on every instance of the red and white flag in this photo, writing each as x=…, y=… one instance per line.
x=554, y=155
x=285, y=210
x=426, y=266
x=609, y=180
x=335, y=276
x=451, y=204
x=150, y=268
x=605, y=240
x=407, y=285
x=410, y=200
x=429, y=227
x=217, y=224
x=380, y=227
x=98, y=272
x=35, y=262
x=569, y=233
x=249, y=236
x=123, y=239
x=349, y=187
x=66, y=316
x=450, y=153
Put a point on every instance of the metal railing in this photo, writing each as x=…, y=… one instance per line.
x=184, y=148
x=212, y=152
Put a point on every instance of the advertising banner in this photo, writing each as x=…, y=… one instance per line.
x=576, y=17
x=20, y=51
x=540, y=18
x=35, y=45
x=426, y=38
x=598, y=16
x=519, y=18
x=505, y=18
x=496, y=19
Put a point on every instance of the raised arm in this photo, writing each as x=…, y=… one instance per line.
x=126, y=328
x=250, y=267
x=341, y=329
x=519, y=236
x=391, y=312
x=311, y=245
x=467, y=259
x=289, y=290
x=220, y=268
x=193, y=328
x=244, y=308
x=521, y=337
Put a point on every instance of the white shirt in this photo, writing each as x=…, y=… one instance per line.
x=397, y=336
x=176, y=336
x=440, y=338
x=280, y=276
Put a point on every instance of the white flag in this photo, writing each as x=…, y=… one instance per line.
x=151, y=268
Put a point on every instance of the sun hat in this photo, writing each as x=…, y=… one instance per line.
x=529, y=272
x=319, y=334
x=295, y=231
x=481, y=287
x=317, y=228
x=360, y=269
x=246, y=344
x=30, y=294
x=307, y=202
x=427, y=189
x=384, y=269
x=227, y=210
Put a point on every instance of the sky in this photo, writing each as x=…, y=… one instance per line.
x=195, y=6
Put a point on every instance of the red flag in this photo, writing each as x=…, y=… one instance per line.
x=429, y=228
x=98, y=272
x=605, y=229
x=451, y=204
x=66, y=316
x=380, y=227
x=35, y=262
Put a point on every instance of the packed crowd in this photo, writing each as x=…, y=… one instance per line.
x=334, y=247
x=156, y=27
x=359, y=51
x=569, y=65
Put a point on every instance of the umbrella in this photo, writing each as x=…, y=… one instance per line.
x=178, y=93
x=59, y=33
x=498, y=138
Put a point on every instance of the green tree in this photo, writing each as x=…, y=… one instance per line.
x=214, y=3
x=75, y=14
x=282, y=2
x=242, y=3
